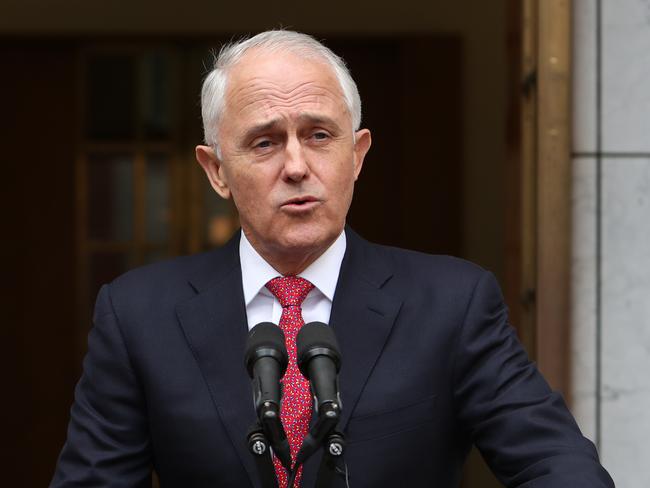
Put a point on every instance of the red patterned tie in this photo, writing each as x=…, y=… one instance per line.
x=296, y=406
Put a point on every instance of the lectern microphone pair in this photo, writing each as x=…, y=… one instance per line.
x=319, y=361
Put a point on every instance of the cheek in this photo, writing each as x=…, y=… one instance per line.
x=247, y=198
x=249, y=185
x=341, y=191
x=345, y=178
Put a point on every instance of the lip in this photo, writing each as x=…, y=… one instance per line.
x=300, y=204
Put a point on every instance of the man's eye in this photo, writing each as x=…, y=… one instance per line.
x=263, y=144
x=320, y=136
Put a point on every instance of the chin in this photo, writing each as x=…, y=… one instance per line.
x=308, y=238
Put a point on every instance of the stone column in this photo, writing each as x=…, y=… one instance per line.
x=611, y=233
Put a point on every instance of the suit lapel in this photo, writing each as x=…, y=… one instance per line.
x=215, y=326
x=362, y=316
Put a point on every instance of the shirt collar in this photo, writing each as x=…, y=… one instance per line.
x=322, y=273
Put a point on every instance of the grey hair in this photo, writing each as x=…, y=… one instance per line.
x=213, y=92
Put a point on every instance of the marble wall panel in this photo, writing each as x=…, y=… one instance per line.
x=583, y=313
x=625, y=357
x=626, y=75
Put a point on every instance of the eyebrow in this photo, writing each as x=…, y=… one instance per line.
x=311, y=118
x=260, y=128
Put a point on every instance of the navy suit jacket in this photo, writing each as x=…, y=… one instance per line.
x=430, y=366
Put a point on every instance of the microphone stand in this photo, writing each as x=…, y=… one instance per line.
x=332, y=452
x=268, y=433
x=259, y=446
x=323, y=434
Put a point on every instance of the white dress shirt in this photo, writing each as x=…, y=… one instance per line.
x=262, y=306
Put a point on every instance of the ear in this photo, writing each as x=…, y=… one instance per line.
x=362, y=143
x=213, y=168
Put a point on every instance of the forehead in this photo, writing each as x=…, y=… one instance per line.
x=265, y=84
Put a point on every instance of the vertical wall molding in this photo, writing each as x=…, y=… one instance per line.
x=554, y=191
x=599, y=225
x=528, y=175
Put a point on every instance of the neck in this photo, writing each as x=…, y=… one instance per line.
x=290, y=261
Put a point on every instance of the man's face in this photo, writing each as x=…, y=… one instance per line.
x=288, y=154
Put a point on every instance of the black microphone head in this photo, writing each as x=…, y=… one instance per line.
x=316, y=339
x=265, y=340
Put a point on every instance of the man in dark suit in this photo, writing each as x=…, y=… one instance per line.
x=430, y=364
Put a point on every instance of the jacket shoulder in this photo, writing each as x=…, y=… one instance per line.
x=169, y=271
x=436, y=267
x=158, y=287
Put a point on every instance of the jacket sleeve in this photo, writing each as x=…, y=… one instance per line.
x=107, y=440
x=524, y=430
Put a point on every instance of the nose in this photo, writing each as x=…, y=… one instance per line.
x=296, y=167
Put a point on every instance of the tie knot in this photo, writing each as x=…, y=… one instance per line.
x=290, y=290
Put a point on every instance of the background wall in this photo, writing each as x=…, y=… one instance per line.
x=480, y=24
x=611, y=255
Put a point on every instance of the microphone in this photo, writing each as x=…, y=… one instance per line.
x=319, y=361
x=266, y=361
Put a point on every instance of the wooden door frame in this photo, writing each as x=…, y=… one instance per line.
x=545, y=186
